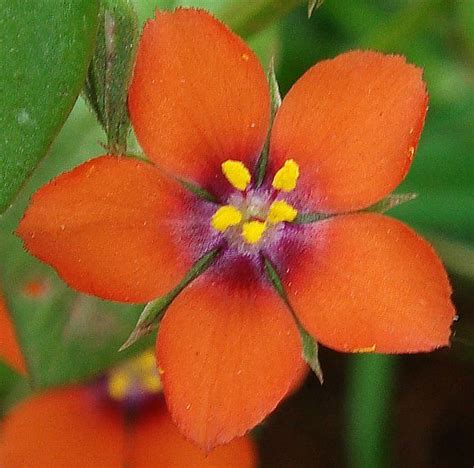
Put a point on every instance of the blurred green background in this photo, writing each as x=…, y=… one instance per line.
x=372, y=411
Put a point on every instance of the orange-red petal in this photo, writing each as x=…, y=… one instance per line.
x=157, y=443
x=111, y=227
x=198, y=96
x=9, y=350
x=228, y=356
x=352, y=124
x=367, y=282
x=62, y=428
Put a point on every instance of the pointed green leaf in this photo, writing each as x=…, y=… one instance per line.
x=275, y=103
x=309, y=344
x=45, y=46
x=109, y=73
x=155, y=310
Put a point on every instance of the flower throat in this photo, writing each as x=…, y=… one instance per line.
x=250, y=215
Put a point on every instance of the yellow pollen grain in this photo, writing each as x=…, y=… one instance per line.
x=281, y=211
x=286, y=177
x=225, y=217
x=236, y=173
x=252, y=231
x=118, y=384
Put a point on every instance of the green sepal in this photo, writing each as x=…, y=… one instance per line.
x=312, y=4
x=110, y=71
x=198, y=191
x=389, y=202
x=275, y=103
x=310, y=353
x=308, y=218
x=46, y=47
x=309, y=344
x=154, y=311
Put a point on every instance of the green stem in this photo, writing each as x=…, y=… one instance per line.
x=369, y=408
x=255, y=15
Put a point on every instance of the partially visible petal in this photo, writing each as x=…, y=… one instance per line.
x=111, y=227
x=229, y=354
x=367, y=282
x=62, y=428
x=9, y=350
x=157, y=443
x=352, y=124
x=198, y=97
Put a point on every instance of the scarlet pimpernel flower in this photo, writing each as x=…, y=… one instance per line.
x=119, y=420
x=344, y=137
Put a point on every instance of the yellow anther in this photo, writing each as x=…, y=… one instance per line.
x=285, y=179
x=236, y=173
x=118, y=384
x=281, y=211
x=225, y=217
x=252, y=231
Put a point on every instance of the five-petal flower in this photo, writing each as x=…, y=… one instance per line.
x=343, y=138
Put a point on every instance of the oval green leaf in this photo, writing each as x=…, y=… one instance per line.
x=45, y=49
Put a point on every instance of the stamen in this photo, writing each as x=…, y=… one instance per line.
x=252, y=231
x=285, y=179
x=281, y=211
x=236, y=173
x=225, y=217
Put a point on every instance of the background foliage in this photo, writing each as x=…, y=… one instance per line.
x=368, y=412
